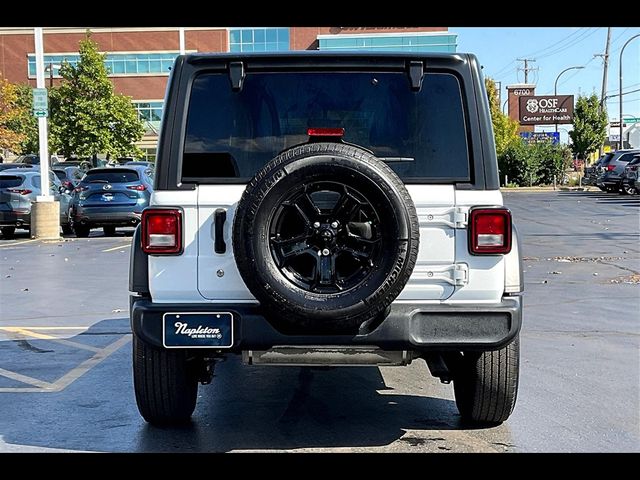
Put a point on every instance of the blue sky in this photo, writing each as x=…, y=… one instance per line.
x=554, y=50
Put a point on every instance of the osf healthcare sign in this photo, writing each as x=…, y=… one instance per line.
x=546, y=109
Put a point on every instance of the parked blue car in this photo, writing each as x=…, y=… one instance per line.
x=108, y=198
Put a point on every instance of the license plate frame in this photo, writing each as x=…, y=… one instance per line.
x=213, y=330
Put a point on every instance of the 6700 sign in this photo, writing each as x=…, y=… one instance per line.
x=546, y=110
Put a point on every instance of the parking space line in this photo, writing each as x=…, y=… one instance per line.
x=5, y=245
x=120, y=247
x=48, y=328
x=42, y=336
x=68, y=378
x=23, y=379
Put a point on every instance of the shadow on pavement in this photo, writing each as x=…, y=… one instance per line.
x=284, y=408
x=245, y=407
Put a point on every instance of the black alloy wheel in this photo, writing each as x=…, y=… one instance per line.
x=325, y=237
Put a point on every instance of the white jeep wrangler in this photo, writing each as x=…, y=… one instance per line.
x=326, y=209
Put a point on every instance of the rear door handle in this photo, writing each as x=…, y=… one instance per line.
x=219, y=217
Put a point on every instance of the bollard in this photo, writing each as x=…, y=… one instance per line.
x=45, y=220
x=554, y=182
x=506, y=180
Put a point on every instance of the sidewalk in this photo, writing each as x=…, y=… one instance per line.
x=586, y=188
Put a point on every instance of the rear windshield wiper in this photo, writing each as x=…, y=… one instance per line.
x=397, y=159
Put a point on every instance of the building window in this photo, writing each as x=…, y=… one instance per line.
x=149, y=154
x=118, y=64
x=149, y=111
x=401, y=42
x=258, y=39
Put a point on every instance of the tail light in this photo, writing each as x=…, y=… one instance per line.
x=19, y=191
x=611, y=168
x=489, y=231
x=67, y=184
x=140, y=188
x=325, y=132
x=633, y=168
x=162, y=231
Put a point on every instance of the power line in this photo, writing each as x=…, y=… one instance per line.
x=573, y=43
x=555, y=44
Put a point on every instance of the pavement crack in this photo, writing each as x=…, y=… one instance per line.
x=25, y=345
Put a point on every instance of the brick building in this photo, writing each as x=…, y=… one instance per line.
x=139, y=58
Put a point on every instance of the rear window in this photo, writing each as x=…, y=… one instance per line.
x=421, y=135
x=627, y=157
x=60, y=174
x=114, y=176
x=11, y=181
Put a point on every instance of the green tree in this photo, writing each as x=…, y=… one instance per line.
x=589, y=126
x=26, y=123
x=505, y=130
x=10, y=114
x=87, y=117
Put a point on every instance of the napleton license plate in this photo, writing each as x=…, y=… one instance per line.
x=197, y=330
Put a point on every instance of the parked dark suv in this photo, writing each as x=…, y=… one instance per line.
x=326, y=209
x=108, y=198
x=612, y=170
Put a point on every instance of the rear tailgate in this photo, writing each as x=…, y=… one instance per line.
x=435, y=277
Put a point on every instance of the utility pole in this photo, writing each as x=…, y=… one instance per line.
x=526, y=68
x=605, y=70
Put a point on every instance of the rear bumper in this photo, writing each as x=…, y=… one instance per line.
x=97, y=217
x=12, y=218
x=609, y=182
x=407, y=327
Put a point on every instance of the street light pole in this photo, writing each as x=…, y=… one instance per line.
x=555, y=85
x=620, y=77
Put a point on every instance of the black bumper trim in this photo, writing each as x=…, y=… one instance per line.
x=407, y=327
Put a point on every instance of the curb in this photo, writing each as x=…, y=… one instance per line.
x=544, y=189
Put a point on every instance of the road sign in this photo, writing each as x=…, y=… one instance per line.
x=546, y=109
x=40, y=102
x=533, y=137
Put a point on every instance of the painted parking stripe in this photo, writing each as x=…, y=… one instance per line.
x=68, y=378
x=42, y=336
x=120, y=247
x=23, y=379
x=6, y=245
x=49, y=328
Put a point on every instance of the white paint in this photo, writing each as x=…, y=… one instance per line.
x=443, y=258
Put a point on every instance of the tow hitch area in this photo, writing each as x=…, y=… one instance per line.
x=327, y=355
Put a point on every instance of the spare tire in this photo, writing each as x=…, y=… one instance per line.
x=325, y=236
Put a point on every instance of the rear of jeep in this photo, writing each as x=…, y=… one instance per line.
x=326, y=209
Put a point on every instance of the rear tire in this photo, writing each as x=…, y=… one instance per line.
x=166, y=388
x=628, y=189
x=67, y=230
x=109, y=231
x=486, y=384
x=8, y=232
x=81, y=231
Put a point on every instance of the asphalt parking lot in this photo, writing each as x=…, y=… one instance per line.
x=65, y=352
